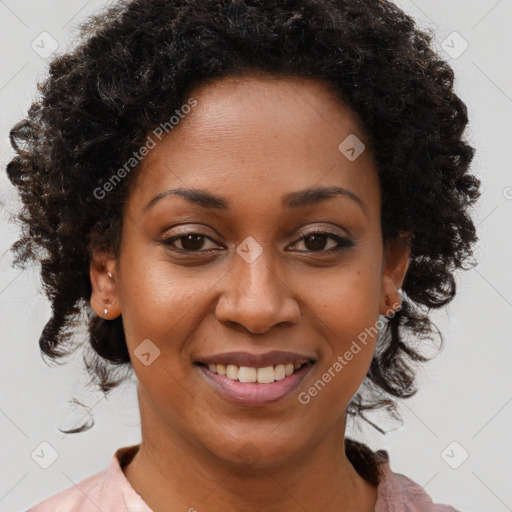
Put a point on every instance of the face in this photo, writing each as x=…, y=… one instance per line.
x=253, y=263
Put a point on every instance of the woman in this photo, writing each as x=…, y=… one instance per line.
x=241, y=196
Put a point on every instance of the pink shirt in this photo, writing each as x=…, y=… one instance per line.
x=110, y=491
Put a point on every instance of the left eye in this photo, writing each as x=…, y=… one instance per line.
x=316, y=241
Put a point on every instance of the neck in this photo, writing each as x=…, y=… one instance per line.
x=172, y=473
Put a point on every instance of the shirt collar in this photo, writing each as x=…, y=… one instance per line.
x=116, y=486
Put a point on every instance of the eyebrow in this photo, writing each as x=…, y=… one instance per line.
x=297, y=199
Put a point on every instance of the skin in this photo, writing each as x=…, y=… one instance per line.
x=252, y=140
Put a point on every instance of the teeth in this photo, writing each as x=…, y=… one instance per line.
x=232, y=371
x=265, y=375
x=247, y=374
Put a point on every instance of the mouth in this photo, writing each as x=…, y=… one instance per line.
x=248, y=374
x=257, y=385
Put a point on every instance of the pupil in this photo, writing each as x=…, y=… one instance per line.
x=192, y=242
x=318, y=241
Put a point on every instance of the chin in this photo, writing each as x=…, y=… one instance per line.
x=255, y=452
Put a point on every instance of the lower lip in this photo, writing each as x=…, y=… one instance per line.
x=254, y=393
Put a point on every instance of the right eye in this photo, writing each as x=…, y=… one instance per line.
x=190, y=242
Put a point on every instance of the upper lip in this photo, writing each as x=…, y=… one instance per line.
x=271, y=358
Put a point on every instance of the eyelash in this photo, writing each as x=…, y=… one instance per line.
x=343, y=243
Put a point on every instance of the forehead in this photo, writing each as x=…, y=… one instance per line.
x=261, y=135
x=271, y=106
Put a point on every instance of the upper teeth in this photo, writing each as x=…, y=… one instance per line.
x=262, y=375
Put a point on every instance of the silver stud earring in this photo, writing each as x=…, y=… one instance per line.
x=109, y=274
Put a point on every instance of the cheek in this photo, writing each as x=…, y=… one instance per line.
x=354, y=320
x=162, y=303
x=347, y=316
x=351, y=335
x=346, y=303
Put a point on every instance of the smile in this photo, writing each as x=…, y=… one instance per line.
x=265, y=375
x=255, y=386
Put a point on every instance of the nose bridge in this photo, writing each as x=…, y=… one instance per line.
x=253, y=294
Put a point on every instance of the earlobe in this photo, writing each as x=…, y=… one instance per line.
x=104, y=300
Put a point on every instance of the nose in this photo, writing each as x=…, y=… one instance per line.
x=256, y=297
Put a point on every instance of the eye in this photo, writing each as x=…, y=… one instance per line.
x=190, y=242
x=316, y=241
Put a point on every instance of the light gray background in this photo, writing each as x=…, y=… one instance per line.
x=465, y=393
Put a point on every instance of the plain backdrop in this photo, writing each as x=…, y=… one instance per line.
x=455, y=440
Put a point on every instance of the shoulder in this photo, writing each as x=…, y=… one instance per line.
x=76, y=498
x=105, y=491
x=396, y=488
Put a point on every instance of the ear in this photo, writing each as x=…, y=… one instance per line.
x=103, y=282
x=395, y=265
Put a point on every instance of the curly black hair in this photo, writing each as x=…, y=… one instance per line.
x=134, y=67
